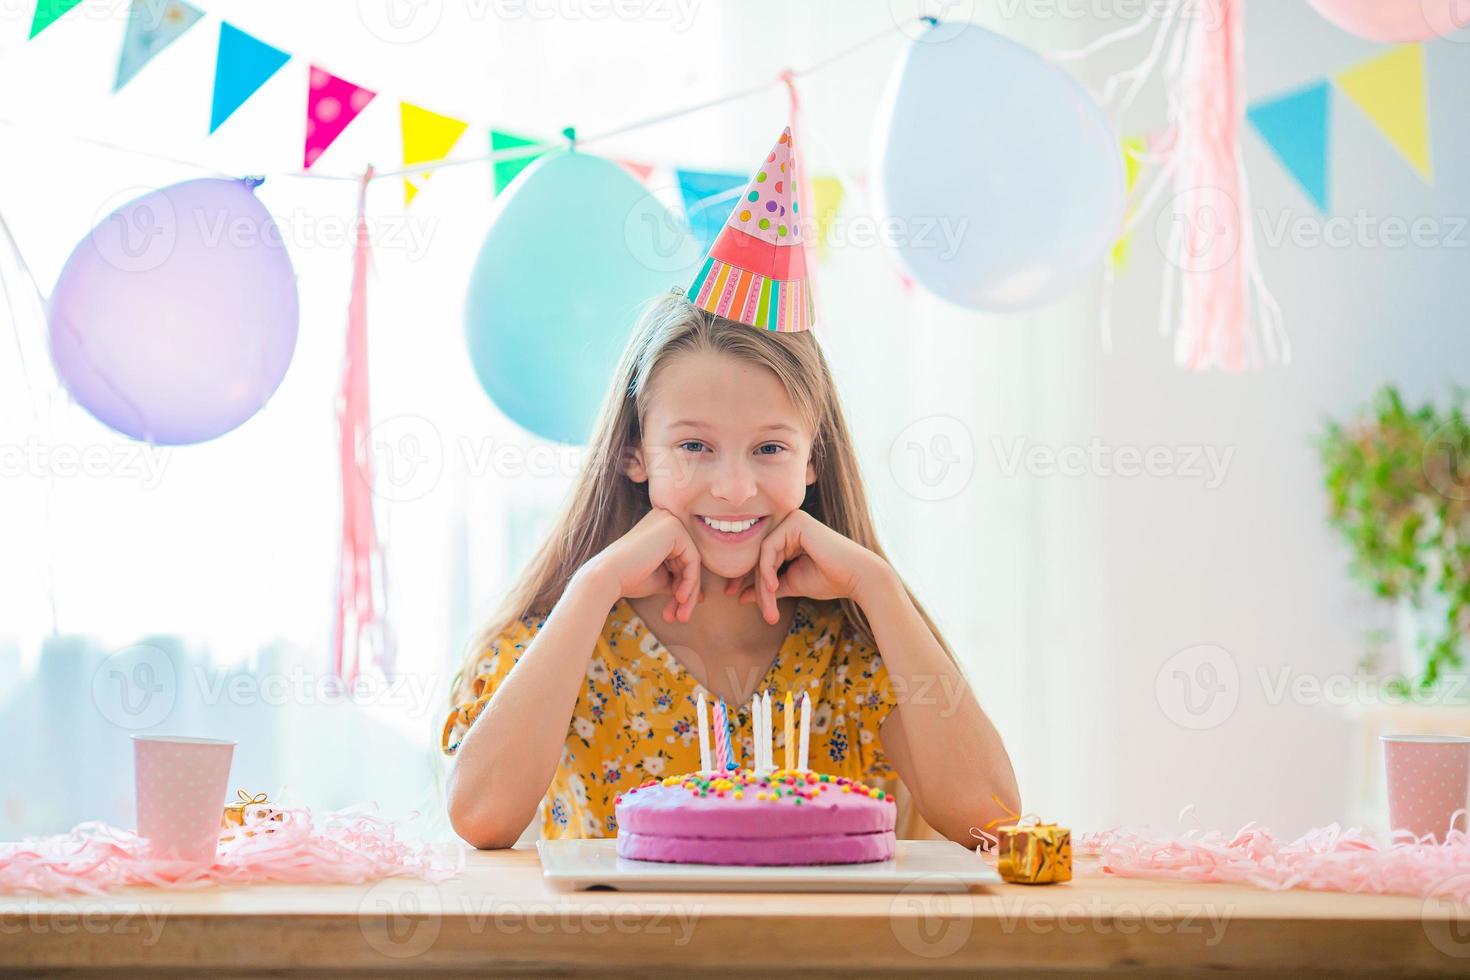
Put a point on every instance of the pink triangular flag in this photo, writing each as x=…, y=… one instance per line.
x=639, y=170
x=331, y=103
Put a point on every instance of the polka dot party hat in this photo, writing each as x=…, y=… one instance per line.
x=755, y=271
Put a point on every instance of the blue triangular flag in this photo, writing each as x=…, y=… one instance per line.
x=243, y=65
x=705, y=216
x=152, y=26
x=1298, y=126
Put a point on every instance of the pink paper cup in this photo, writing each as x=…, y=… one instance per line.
x=181, y=786
x=1428, y=780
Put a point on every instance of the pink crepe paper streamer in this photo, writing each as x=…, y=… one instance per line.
x=1211, y=247
x=808, y=223
x=347, y=846
x=1323, y=859
x=356, y=612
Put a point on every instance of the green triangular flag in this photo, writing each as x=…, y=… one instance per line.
x=47, y=11
x=506, y=170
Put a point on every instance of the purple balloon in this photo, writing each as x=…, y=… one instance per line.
x=174, y=321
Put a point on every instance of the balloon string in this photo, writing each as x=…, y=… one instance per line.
x=531, y=150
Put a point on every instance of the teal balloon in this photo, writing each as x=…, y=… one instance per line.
x=575, y=247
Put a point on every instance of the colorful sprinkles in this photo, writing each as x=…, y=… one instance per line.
x=795, y=785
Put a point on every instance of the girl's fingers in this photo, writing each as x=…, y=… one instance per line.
x=669, y=609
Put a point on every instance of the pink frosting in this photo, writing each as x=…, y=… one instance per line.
x=823, y=825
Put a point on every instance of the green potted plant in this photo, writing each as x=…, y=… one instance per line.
x=1398, y=486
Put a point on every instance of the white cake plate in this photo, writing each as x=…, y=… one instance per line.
x=918, y=866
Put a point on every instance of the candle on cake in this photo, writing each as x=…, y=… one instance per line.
x=806, y=729
x=704, y=759
x=722, y=737
x=787, y=729
x=766, y=730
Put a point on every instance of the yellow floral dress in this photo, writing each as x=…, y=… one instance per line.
x=635, y=718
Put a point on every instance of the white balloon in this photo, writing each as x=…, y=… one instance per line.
x=997, y=176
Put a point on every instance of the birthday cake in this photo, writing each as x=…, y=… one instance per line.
x=766, y=817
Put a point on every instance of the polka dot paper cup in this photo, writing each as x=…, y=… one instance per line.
x=181, y=787
x=1428, y=780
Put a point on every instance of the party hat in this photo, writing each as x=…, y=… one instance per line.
x=755, y=271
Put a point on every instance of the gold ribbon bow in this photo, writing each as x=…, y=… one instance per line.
x=234, y=815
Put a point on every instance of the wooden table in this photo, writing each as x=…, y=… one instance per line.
x=499, y=917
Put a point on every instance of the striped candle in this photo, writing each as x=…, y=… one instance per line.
x=722, y=737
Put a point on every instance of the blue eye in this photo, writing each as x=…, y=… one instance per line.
x=692, y=442
x=772, y=445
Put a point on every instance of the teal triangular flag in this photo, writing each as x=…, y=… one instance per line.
x=1297, y=126
x=708, y=201
x=47, y=12
x=152, y=26
x=242, y=66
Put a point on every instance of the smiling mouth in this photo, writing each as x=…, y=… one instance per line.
x=730, y=530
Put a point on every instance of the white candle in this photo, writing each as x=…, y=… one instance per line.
x=806, y=729
x=704, y=761
x=770, y=750
x=754, y=730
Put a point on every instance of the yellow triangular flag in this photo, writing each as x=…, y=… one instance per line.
x=427, y=136
x=827, y=198
x=1390, y=90
x=1133, y=150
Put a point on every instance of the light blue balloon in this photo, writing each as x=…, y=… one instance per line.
x=998, y=177
x=575, y=246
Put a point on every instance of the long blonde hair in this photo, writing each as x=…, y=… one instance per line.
x=605, y=502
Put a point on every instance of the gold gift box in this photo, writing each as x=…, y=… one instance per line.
x=234, y=813
x=1034, y=853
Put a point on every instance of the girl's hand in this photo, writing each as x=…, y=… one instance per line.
x=656, y=556
x=823, y=565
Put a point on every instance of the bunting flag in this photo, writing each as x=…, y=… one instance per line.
x=1133, y=150
x=152, y=26
x=506, y=170
x=47, y=12
x=1297, y=126
x=1390, y=90
x=639, y=170
x=331, y=104
x=826, y=200
x=427, y=137
x=242, y=66
x=708, y=200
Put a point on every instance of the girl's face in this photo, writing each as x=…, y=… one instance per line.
x=726, y=452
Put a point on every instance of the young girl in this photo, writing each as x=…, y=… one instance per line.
x=718, y=541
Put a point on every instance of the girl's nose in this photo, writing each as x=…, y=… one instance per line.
x=733, y=481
